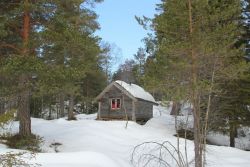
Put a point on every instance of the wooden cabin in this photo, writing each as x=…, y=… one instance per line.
x=121, y=100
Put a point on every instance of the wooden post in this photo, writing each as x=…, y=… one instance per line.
x=133, y=111
x=99, y=110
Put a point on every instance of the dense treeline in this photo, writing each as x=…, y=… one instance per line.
x=51, y=62
x=49, y=56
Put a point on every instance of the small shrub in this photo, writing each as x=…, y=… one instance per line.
x=6, y=118
x=152, y=154
x=20, y=159
x=55, y=145
x=72, y=119
x=241, y=133
x=31, y=143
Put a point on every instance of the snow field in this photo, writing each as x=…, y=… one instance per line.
x=91, y=143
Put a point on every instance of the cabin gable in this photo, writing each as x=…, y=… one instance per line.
x=120, y=100
x=105, y=105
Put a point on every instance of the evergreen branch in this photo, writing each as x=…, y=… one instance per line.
x=4, y=45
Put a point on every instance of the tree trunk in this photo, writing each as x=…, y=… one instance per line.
x=207, y=114
x=26, y=28
x=233, y=134
x=57, y=112
x=71, y=108
x=197, y=138
x=61, y=99
x=24, y=95
x=176, y=108
x=24, y=108
x=50, y=110
x=42, y=105
x=195, y=94
x=2, y=106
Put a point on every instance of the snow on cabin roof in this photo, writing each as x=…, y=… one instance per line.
x=136, y=91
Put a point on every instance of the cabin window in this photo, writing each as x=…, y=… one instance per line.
x=115, y=104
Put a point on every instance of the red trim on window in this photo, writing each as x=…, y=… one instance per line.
x=115, y=104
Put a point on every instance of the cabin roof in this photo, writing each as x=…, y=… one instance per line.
x=132, y=90
x=136, y=91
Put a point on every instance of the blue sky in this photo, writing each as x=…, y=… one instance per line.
x=119, y=27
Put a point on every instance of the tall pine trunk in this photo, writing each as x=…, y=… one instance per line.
x=26, y=29
x=24, y=108
x=195, y=94
x=24, y=96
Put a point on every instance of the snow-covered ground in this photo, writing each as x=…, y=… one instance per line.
x=91, y=143
x=241, y=142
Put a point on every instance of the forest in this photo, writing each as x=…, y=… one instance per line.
x=53, y=66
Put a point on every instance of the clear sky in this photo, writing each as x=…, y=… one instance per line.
x=119, y=27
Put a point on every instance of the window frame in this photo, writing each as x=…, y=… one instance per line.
x=116, y=106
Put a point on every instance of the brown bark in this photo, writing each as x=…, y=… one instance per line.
x=24, y=108
x=233, y=134
x=61, y=99
x=71, y=108
x=195, y=95
x=197, y=136
x=207, y=114
x=26, y=28
x=24, y=96
x=176, y=108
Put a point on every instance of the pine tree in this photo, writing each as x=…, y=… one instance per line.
x=46, y=47
x=231, y=111
x=195, y=43
x=233, y=96
x=125, y=72
x=139, y=68
x=71, y=49
x=245, y=38
x=20, y=40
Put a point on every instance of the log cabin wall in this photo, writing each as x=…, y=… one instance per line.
x=143, y=110
x=105, y=105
